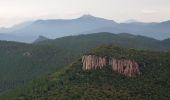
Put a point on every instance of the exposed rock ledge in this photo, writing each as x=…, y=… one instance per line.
x=126, y=67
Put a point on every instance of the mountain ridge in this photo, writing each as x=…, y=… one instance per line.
x=123, y=39
x=55, y=28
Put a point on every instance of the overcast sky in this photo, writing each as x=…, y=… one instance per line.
x=16, y=11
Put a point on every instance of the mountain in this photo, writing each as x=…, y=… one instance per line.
x=74, y=82
x=16, y=37
x=96, y=39
x=15, y=27
x=166, y=42
x=8, y=35
x=55, y=28
x=40, y=38
x=21, y=62
x=155, y=30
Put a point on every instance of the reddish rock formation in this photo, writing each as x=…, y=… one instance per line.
x=93, y=62
x=128, y=68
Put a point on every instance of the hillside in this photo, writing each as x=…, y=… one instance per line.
x=96, y=39
x=20, y=63
x=73, y=82
x=166, y=41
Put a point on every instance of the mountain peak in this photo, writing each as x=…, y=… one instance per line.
x=97, y=19
x=87, y=16
x=40, y=38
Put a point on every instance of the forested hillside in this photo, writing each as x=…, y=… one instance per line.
x=73, y=82
x=96, y=39
x=20, y=63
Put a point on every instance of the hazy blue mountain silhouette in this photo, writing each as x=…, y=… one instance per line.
x=54, y=28
x=60, y=27
x=40, y=38
x=15, y=27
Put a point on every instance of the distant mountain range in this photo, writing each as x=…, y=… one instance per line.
x=54, y=28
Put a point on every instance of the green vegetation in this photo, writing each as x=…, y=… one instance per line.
x=96, y=39
x=72, y=83
x=20, y=63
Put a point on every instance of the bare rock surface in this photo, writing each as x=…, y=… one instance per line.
x=93, y=62
x=126, y=67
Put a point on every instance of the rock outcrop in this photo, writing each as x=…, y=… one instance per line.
x=126, y=67
x=129, y=68
x=93, y=62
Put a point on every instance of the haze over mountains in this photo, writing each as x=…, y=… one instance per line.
x=84, y=50
x=57, y=43
x=54, y=28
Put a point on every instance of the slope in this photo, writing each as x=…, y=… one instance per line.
x=96, y=39
x=73, y=82
x=20, y=63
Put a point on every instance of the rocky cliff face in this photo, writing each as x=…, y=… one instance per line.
x=126, y=67
x=93, y=62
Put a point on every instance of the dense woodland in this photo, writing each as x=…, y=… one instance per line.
x=72, y=82
x=21, y=63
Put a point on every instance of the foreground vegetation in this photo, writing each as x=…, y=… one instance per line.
x=74, y=83
x=20, y=63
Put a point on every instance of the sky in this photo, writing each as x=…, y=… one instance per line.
x=17, y=11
